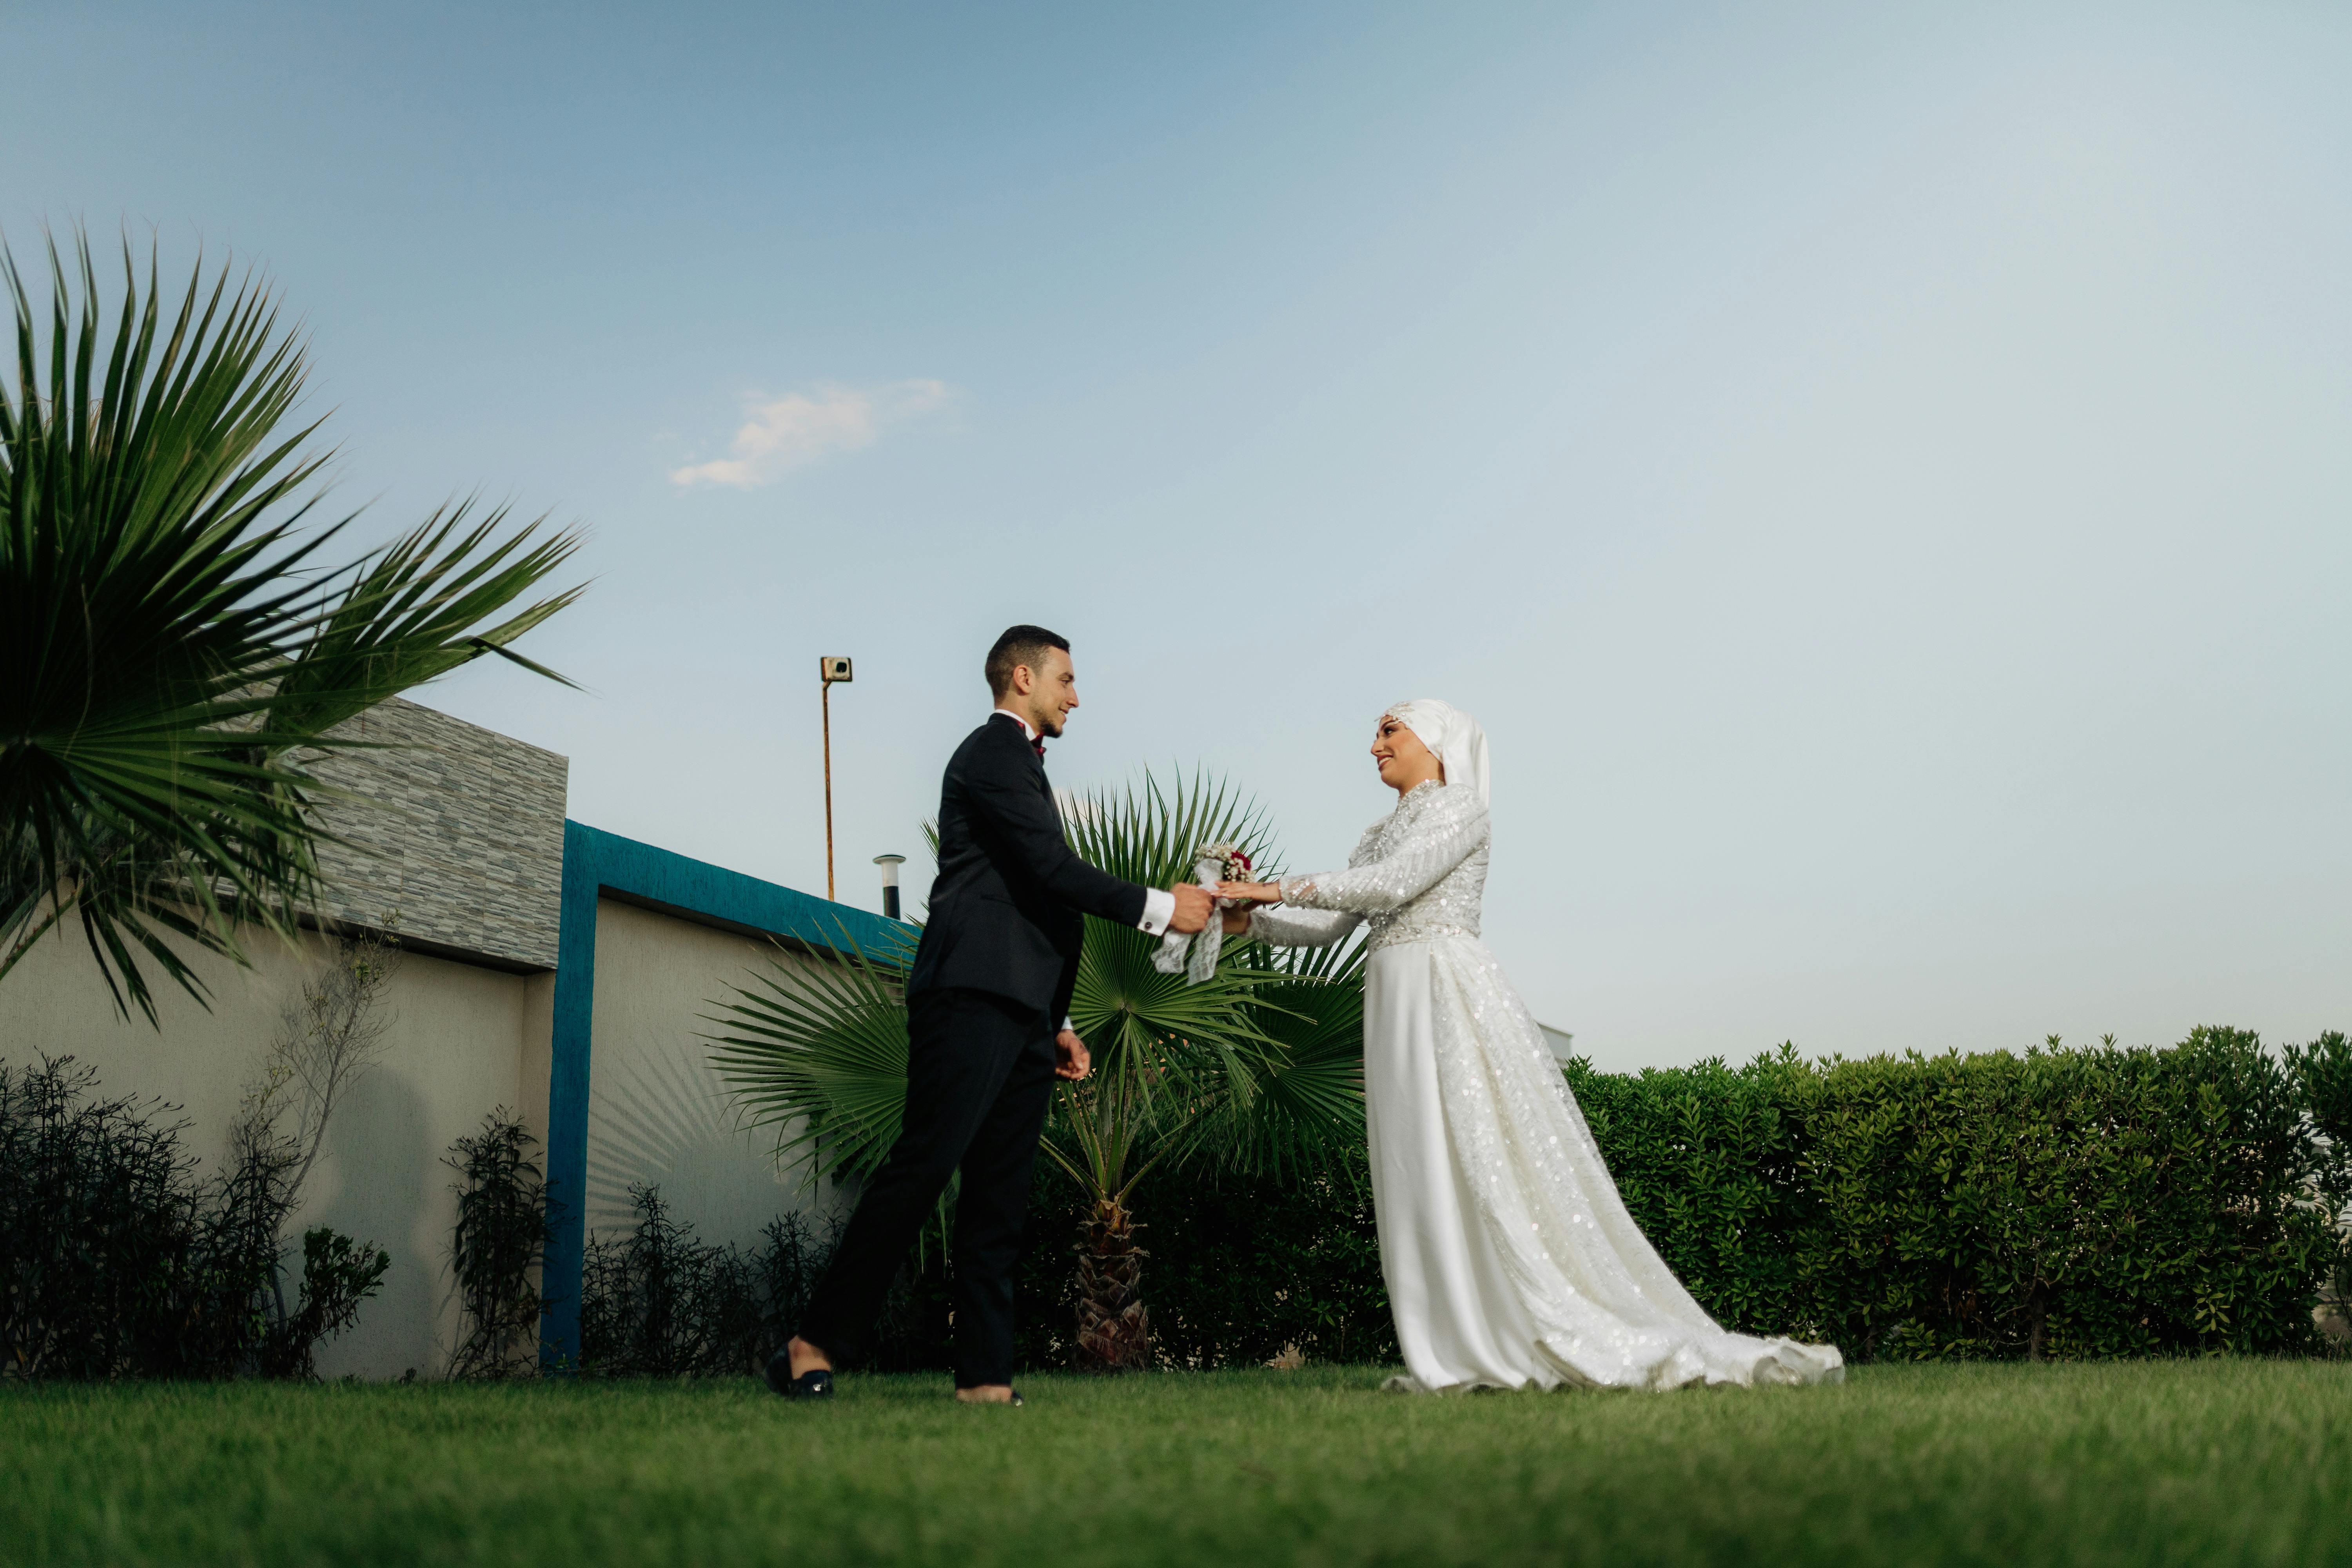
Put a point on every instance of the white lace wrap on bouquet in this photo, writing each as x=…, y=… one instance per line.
x=1195, y=956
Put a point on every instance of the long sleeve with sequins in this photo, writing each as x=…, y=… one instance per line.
x=1414, y=855
x=1302, y=928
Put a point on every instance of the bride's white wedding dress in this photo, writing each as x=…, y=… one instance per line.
x=1511, y=1262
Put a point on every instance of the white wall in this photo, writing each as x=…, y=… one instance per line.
x=658, y=1112
x=456, y=1048
x=463, y=1040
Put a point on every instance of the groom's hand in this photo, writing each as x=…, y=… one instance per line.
x=1075, y=1062
x=1194, y=906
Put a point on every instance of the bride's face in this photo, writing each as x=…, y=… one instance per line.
x=1404, y=762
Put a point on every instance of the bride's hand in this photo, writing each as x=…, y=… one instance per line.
x=1250, y=893
x=1237, y=922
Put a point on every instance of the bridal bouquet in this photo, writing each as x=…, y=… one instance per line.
x=1195, y=957
x=1231, y=864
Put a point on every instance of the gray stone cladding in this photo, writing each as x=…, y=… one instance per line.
x=456, y=835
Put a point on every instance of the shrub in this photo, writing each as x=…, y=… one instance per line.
x=96, y=1221
x=504, y=1223
x=657, y=1301
x=2096, y=1202
x=1709, y=1160
x=338, y=1275
x=2064, y=1202
x=2323, y=1080
x=118, y=1262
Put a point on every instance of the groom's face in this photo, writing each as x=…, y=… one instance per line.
x=1052, y=693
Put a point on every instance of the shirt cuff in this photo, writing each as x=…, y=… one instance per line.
x=1068, y=1027
x=1159, y=908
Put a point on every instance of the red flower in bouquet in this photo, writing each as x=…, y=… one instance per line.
x=1231, y=862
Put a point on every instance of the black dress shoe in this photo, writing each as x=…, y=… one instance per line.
x=817, y=1384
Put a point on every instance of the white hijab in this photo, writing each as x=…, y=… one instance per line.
x=1454, y=736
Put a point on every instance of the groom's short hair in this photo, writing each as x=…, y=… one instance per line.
x=1019, y=645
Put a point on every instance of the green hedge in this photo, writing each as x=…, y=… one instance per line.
x=2082, y=1203
x=2074, y=1202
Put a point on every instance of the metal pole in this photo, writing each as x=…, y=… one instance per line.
x=826, y=702
x=829, y=669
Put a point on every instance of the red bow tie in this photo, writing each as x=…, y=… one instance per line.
x=1038, y=746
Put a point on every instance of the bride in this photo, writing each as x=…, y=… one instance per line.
x=1510, y=1260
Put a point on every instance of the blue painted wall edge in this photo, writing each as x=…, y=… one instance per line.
x=596, y=864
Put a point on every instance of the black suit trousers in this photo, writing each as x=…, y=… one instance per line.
x=979, y=1079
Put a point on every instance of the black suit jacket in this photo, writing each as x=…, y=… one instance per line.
x=1008, y=909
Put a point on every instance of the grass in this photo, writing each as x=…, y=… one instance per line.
x=2182, y=1462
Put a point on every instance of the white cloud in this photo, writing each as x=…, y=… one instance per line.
x=793, y=432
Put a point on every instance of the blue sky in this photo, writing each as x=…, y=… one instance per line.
x=1879, y=473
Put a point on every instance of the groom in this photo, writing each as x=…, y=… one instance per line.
x=988, y=1031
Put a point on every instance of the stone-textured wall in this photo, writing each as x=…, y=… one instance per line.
x=457, y=841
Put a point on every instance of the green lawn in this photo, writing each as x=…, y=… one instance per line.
x=2183, y=1462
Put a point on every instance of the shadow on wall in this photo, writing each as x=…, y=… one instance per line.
x=381, y=1137
x=659, y=1115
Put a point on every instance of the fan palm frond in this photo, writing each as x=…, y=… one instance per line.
x=415, y=611
x=1166, y=1052
x=818, y=1052
x=1307, y=1101
x=1261, y=1067
x=175, y=652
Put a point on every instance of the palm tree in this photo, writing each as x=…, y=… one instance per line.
x=1260, y=1068
x=177, y=656
x=1176, y=1063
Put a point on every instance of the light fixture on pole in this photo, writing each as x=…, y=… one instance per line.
x=829, y=670
x=889, y=864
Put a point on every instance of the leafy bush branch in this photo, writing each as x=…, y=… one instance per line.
x=116, y=1260
x=503, y=1227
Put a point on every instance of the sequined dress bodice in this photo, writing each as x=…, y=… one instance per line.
x=1419, y=872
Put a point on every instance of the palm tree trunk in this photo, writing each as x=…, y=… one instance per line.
x=1114, y=1330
